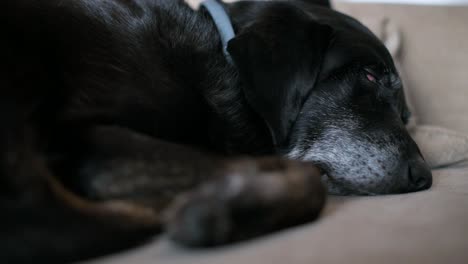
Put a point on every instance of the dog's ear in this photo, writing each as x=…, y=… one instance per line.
x=279, y=63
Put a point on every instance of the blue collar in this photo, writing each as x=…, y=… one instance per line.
x=222, y=22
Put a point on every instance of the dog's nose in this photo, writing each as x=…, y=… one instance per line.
x=419, y=176
x=416, y=173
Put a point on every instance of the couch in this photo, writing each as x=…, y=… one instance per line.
x=425, y=227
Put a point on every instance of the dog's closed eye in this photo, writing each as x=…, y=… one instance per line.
x=371, y=78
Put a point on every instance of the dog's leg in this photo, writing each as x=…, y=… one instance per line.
x=217, y=200
x=132, y=181
x=43, y=222
x=54, y=233
x=252, y=197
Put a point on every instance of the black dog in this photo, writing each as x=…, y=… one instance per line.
x=111, y=109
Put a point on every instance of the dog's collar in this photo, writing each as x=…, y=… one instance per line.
x=222, y=22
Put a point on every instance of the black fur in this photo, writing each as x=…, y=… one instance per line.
x=121, y=118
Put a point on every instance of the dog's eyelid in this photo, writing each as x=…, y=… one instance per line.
x=370, y=75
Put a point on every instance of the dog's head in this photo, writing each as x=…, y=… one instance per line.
x=329, y=92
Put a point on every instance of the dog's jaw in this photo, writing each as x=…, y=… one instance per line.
x=351, y=165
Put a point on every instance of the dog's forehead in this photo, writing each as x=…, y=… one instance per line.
x=347, y=49
x=335, y=19
x=351, y=41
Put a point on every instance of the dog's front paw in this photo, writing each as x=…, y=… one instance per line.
x=199, y=221
x=249, y=198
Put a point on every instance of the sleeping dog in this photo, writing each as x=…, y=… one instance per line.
x=125, y=118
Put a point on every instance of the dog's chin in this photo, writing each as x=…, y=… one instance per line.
x=335, y=187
